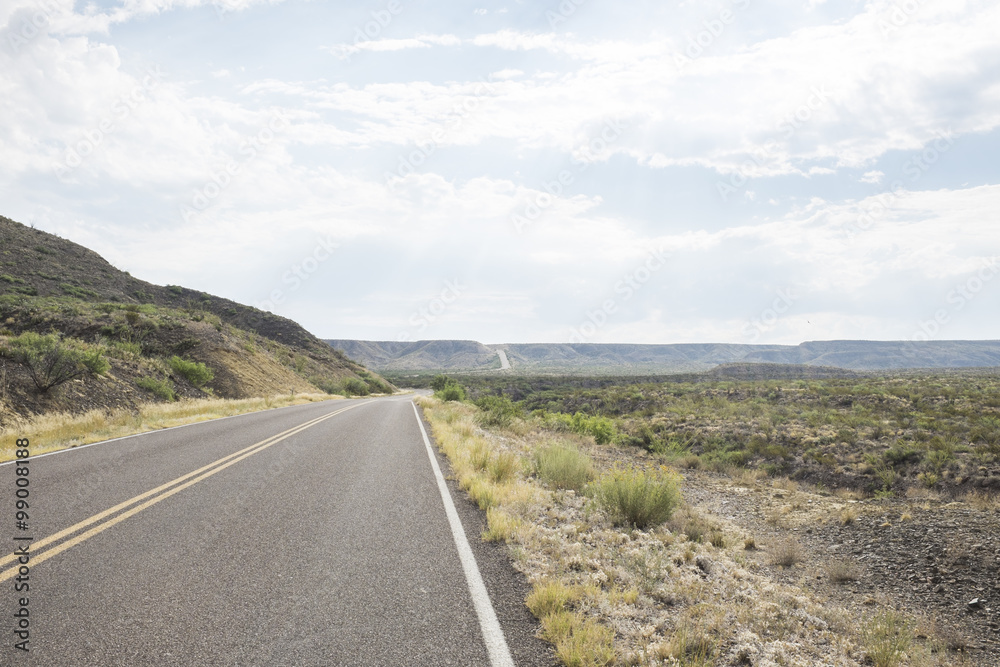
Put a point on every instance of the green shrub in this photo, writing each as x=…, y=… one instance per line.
x=78, y=292
x=438, y=382
x=195, y=372
x=497, y=411
x=328, y=385
x=450, y=389
x=636, y=497
x=48, y=360
x=95, y=362
x=355, y=387
x=162, y=389
x=562, y=466
x=376, y=385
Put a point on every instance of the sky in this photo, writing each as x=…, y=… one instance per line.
x=577, y=171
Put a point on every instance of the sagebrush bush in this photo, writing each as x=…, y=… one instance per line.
x=562, y=466
x=638, y=497
x=195, y=372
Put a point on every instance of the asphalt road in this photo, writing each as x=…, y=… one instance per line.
x=311, y=535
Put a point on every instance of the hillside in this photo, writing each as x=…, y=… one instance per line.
x=630, y=359
x=52, y=285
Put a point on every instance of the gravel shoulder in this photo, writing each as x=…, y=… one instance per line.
x=938, y=561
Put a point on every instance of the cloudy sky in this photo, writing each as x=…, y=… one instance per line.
x=511, y=171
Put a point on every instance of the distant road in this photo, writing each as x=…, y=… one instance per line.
x=311, y=535
x=504, y=364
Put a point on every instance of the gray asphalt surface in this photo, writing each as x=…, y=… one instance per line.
x=330, y=547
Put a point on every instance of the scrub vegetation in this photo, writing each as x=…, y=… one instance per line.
x=698, y=523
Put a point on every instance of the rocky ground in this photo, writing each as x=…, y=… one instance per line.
x=936, y=560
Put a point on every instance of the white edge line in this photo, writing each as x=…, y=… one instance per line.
x=158, y=430
x=496, y=643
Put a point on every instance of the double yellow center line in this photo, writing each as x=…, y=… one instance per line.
x=133, y=506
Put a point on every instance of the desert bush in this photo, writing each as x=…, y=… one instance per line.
x=562, y=466
x=95, y=361
x=638, y=497
x=328, y=385
x=496, y=411
x=447, y=389
x=452, y=392
x=162, y=389
x=375, y=384
x=438, y=382
x=49, y=361
x=195, y=372
x=354, y=387
x=601, y=428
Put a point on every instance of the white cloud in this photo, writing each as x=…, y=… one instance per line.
x=821, y=101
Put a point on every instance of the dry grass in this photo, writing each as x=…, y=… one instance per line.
x=500, y=526
x=887, y=638
x=683, y=593
x=785, y=553
x=982, y=501
x=922, y=493
x=55, y=431
x=848, y=515
x=842, y=571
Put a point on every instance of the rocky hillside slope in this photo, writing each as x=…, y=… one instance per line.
x=55, y=288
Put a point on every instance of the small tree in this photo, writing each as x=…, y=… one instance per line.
x=49, y=361
x=439, y=382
